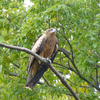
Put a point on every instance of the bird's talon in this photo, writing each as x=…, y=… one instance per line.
x=48, y=60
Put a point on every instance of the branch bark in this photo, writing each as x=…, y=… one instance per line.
x=47, y=62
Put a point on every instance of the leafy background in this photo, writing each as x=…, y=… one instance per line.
x=79, y=23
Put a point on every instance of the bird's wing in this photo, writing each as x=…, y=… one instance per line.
x=41, y=71
x=37, y=47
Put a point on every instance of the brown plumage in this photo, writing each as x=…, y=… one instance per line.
x=46, y=46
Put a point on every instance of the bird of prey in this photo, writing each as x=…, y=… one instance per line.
x=45, y=46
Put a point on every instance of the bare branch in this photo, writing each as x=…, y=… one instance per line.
x=64, y=67
x=17, y=75
x=71, y=49
x=97, y=83
x=11, y=74
x=78, y=73
x=46, y=81
x=48, y=63
x=22, y=97
x=65, y=52
x=83, y=77
x=72, y=60
x=93, y=79
x=16, y=65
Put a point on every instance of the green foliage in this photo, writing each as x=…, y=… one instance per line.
x=79, y=22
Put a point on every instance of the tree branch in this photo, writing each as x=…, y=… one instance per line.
x=67, y=54
x=65, y=51
x=14, y=74
x=77, y=71
x=71, y=49
x=47, y=62
x=82, y=76
x=16, y=65
x=46, y=81
x=93, y=79
x=97, y=83
x=11, y=74
x=64, y=82
x=64, y=67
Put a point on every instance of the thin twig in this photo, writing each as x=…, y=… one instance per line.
x=10, y=73
x=16, y=65
x=46, y=81
x=83, y=77
x=71, y=49
x=69, y=68
x=93, y=79
x=22, y=97
x=97, y=77
x=17, y=75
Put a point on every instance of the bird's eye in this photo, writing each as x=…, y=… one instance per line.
x=51, y=29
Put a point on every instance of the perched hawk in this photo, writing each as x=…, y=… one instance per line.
x=46, y=46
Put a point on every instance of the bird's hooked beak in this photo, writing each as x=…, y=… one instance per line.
x=54, y=30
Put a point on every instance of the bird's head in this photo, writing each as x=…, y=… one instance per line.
x=51, y=30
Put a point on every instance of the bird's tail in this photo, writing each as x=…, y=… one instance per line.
x=30, y=84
